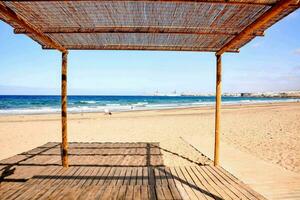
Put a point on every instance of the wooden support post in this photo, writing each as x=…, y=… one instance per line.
x=218, y=107
x=64, y=144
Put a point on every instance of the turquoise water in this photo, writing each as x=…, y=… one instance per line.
x=78, y=104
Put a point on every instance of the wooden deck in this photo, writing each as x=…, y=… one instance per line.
x=113, y=171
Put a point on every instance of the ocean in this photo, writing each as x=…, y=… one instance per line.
x=78, y=104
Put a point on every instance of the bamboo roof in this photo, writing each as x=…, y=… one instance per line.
x=181, y=25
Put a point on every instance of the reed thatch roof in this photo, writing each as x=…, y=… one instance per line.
x=184, y=25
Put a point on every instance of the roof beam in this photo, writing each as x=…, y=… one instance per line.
x=258, y=23
x=10, y=15
x=160, y=30
x=229, y=2
x=137, y=47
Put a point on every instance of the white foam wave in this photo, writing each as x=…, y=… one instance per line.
x=138, y=106
x=88, y=102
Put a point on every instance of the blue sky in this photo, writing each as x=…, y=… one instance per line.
x=270, y=63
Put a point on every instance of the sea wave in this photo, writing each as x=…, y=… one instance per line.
x=140, y=104
x=90, y=106
x=113, y=104
x=87, y=102
x=42, y=110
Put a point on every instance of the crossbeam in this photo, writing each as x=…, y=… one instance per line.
x=258, y=23
x=158, y=30
x=12, y=16
x=136, y=47
x=226, y=2
x=169, y=30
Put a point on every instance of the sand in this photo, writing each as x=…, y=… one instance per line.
x=269, y=132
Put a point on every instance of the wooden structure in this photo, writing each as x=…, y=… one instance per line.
x=173, y=25
x=114, y=171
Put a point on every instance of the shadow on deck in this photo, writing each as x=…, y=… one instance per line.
x=113, y=171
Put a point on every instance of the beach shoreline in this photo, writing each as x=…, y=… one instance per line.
x=31, y=105
x=268, y=131
x=204, y=106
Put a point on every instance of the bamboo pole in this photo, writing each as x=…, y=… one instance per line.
x=137, y=29
x=217, y=112
x=140, y=47
x=64, y=144
x=41, y=37
x=259, y=23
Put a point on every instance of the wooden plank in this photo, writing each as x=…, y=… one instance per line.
x=107, y=190
x=103, y=193
x=87, y=193
x=159, y=192
x=163, y=175
x=115, y=191
x=221, y=183
x=121, y=176
x=15, y=193
x=137, y=192
x=157, y=176
x=200, y=187
x=7, y=188
x=183, y=193
x=133, y=178
x=172, y=184
x=192, y=185
x=98, y=176
x=227, y=182
x=66, y=193
x=139, y=180
x=22, y=191
x=57, y=185
x=16, y=189
x=122, y=192
x=64, y=180
x=167, y=192
x=127, y=176
x=145, y=193
x=32, y=192
x=86, y=175
x=76, y=177
x=110, y=176
x=104, y=175
x=151, y=183
x=53, y=185
x=129, y=192
x=201, y=182
x=211, y=180
x=93, y=174
x=116, y=176
x=241, y=185
x=185, y=184
x=207, y=182
x=164, y=183
x=146, y=176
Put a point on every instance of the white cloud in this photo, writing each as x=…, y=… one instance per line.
x=297, y=52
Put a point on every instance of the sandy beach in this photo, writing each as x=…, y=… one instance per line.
x=270, y=132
